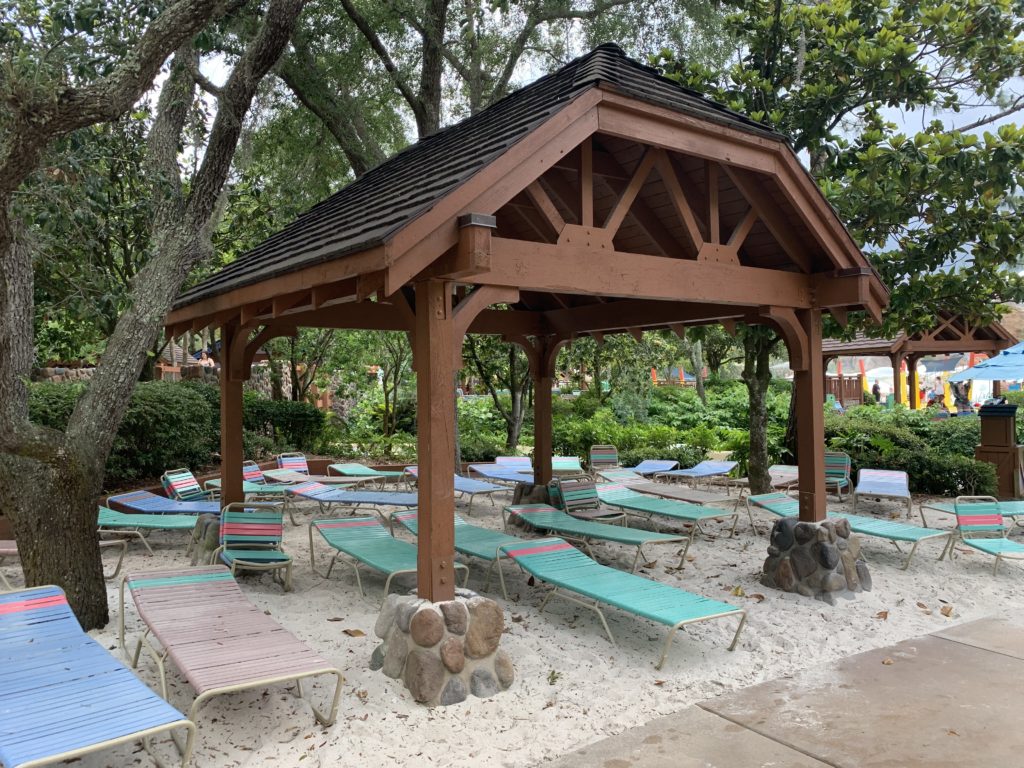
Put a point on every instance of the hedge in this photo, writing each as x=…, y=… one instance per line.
x=166, y=425
x=176, y=424
x=937, y=455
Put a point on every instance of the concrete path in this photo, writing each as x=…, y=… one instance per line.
x=952, y=699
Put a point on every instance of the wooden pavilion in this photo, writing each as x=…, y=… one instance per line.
x=600, y=199
x=951, y=333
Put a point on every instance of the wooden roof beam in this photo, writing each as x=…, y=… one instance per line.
x=679, y=200
x=768, y=211
x=647, y=220
x=545, y=206
x=578, y=269
x=635, y=313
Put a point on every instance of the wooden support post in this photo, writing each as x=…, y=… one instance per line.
x=824, y=376
x=230, y=420
x=997, y=388
x=899, y=396
x=542, y=443
x=810, y=423
x=913, y=385
x=433, y=342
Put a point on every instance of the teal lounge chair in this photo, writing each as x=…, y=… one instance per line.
x=675, y=491
x=547, y=518
x=837, y=472
x=980, y=525
x=470, y=540
x=181, y=485
x=636, y=503
x=9, y=548
x=132, y=526
x=603, y=457
x=367, y=542
x=578, y=496
x=566, y=465
x=567, y=569
x=361, y=471
x=785, y=506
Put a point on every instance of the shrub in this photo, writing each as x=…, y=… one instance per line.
x=295, y=425
x=166, y=425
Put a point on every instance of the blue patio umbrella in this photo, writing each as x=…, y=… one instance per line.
x=1008, y=365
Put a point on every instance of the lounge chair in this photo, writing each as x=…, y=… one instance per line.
x=254, y=483
x=837, y=472
x=181, y=485
x=786, y=506
x=368, y=543
x=566, y=465
x=146, y=503
x=470, y=540
x=1014, y=510
x=464, y=486
x=293, y=468
x=651, y=467
x=578, y=496
x=980, y=525
x=132, y=526
x=9, y=548
x=503, y=474
x=62, y=695
x=327, y=497
x=220, y=642
x=644, y=505
x=783, y=476
x=603, y=457
x=567, y=569
x=546, y=518
x=705, y=470
x=674, y=491
x=363, y=472
x=883, y=484
x=250, y=540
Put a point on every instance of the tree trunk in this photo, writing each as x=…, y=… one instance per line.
x=697, y=361
x=757, y=346
x=58, y=547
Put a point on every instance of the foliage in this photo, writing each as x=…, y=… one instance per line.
x=166, y=425
x=297, y=425
x=482, y=433
x=637, y=441
x=938, y=455
x=937, y=209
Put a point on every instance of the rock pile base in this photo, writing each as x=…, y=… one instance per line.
x=443, y=652
x=819, y=560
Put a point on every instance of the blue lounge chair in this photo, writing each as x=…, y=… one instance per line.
x=464, y=486
x=651, y=467
x=883, y=484
x=62, y=695
x=705, y=470
x=327, y=497
x=144, y=502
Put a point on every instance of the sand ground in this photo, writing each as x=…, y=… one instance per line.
x=573, y=687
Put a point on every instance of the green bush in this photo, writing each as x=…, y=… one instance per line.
x=166, y=425
x=573, y=437
x=295, y=425
x=938, y=455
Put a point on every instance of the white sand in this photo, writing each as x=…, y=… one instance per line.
x=573, y=687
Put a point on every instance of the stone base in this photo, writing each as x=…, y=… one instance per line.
x=443, y=651
x=819, y=560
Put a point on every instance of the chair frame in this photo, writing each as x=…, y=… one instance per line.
x=250, y=565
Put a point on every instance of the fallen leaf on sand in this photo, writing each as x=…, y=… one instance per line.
x=738, y=591
x=336, y=618
x=517, y=617
x=883, y=615
x=649, y=565
x=887, y=661
x=690, y=558
x=922, y=606
x=659, y=682
x=951, y=732
x=354, y=632
x=757, y=596
x=946, y=610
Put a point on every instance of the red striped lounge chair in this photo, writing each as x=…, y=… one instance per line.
x=250, y=540
x=181, y=485
x=981, y=526
x=219, y=641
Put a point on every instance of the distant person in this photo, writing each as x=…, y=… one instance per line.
x=876, y=391
x=205, y=361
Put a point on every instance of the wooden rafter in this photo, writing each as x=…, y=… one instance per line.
x=711, y=184
x=629, y=194
x=587, y=182
x=546, y=207
x=739, y=234
x=679, y=201
x=645, y=218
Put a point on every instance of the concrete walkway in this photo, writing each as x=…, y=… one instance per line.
x=953, y=699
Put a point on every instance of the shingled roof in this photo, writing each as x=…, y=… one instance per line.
x=367, y=212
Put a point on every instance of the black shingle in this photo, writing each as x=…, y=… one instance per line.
x=371, y=209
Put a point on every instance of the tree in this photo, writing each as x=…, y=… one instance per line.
x=58, y=543
x=935, y=212
x=503, y=368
